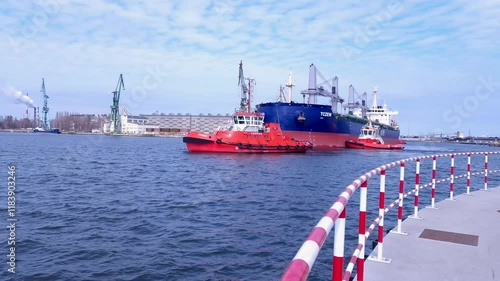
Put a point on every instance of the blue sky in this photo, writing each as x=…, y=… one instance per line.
x=436, y=62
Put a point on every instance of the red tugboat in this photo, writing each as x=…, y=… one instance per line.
x=247, y=132
x=370, y=139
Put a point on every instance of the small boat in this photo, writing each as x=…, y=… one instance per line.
x=247, y=132
x=46, y=131
x=370, y=138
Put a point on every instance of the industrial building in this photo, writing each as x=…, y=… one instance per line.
x=169, y=124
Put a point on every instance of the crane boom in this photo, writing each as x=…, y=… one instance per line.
x=115, y=112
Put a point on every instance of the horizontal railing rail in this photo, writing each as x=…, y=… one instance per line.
x=335, y=216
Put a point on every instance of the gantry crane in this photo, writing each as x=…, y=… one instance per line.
x=45, y=109
x=246, y=91
x=116, y=125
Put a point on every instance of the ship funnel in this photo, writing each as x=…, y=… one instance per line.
x=312, y=77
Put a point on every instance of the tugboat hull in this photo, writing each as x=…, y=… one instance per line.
x=244, y=142
x=370, y=145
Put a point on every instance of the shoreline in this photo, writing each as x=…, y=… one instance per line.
x=24, y=131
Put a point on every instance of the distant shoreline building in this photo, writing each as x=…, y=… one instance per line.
x=170, y=124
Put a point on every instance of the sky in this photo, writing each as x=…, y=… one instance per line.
x=436, y=62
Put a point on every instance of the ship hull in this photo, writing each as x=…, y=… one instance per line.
x=317, y=124
x=370, y=145
x=271, y=141
x=51, y=131
x=214, y=147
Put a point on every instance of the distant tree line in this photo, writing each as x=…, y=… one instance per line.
x=74, y=122
x=65, y=121
x=10, y=122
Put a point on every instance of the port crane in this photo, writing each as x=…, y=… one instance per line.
x=246, y=91
x=45, y=109
x=116, y=125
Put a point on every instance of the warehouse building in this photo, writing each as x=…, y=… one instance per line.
x=170, y=124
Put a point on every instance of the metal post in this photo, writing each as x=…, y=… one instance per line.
x=433, y=191
x=400, y=205
x=452, y=176
x=486, y=171
x=417, y=187
x=362, y=229
x=468, y=173
x=381, y=208
x=338, y=248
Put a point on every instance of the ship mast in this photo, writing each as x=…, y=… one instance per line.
x=251, y=82
x=289, y=85
x=375, y=91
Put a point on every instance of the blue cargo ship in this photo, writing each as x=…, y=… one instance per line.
x=323, y=124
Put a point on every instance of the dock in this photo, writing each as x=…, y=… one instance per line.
x=459, y=240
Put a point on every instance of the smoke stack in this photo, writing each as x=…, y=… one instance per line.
x=34, y=117
x=27, y=116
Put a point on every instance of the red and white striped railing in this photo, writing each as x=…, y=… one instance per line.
x=303, y=261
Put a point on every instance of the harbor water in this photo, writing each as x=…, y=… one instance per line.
x=92, y=207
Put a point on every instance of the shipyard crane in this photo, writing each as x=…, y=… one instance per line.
x=115, y=113
x=246, y=91
x=45, y=109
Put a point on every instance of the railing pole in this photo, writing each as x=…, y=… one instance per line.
x=433, y=191
x=468, y=173
x=381, y=208
x=338, y=248
x=452, y=176
x=362, y=229
x=400, y=204
x=417, y=187
x=486, y=171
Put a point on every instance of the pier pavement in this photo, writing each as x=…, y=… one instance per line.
x=460, y=240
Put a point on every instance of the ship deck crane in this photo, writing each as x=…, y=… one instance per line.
x=314, y=90
x=115, y=108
